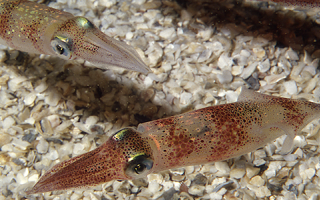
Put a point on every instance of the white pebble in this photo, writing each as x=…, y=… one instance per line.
x=225, y=62
x=42, y=146
x=196, y=190
x=92, y=120
x=54, y=120
x=185, y=98
x=306, y=173
x=231, y=96
x=154, y=187
x=207, y=98
x=168, y=33
x=155, y=177
x=237, y=173
x=247, y=71
x=257, y=181
x=205, y=34
x=139, y=2
x=262, y=192
x=259, y=52
x=41, y=87
x=264, y=66
x=107, y=3
x=148, y=82
x=291, y=87
x=222, y=167
x=252, y=171
x=53, y=98
x=52, y=154
x=237, y=70
x=225, y=77
x=3, y=56
x=291, y=55
x=8, y=122
x=75, y=196
x=22, y=176
x=29, y=99
x=23, y=145
x=78, y=148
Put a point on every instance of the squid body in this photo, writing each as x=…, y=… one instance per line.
x=202, y=136
x=36, y=28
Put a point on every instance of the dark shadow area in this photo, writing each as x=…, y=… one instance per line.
x=288, y=27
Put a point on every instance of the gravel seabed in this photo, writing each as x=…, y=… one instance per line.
x=200, y=53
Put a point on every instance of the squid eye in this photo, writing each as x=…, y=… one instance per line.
x=139, y=166
x=62, y=46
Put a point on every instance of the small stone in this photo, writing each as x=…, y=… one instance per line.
x=306, y=173
x=185, y=98
x=231, y=96
x=262, y=192
x=8, y=122
x=23, y=145
x=207, y=98
x=257, y=181
x=264, y=66
x=92, y=120
x=29, y=99
x=222, y=167
x=33, y=178
x=199, y=180
x=52, y=154
x=154, y=187
x=78, y=149
x=168, y=33
x=252, y=171
x=247, y=71
x=41, y=87
x=291, y=55
x=42, y=146
x=22, y=176
x=237, y=173
x=54, y=120
x=196, y=190
x=259, y=52
x=155, y=177
x=177, y=177
x=291, y=87
x=3, y=56
x=237, y=70
x=225, y=77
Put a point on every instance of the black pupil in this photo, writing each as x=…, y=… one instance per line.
x=60, y=49
x=139, y=168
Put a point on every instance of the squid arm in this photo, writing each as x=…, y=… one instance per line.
x=201, y=136
x=36, y=28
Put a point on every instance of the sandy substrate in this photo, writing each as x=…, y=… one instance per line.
x=200, y=53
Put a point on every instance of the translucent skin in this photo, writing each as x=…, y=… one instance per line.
x=31, y=27
x=202, y=136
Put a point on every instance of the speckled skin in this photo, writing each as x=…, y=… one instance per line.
x=202, y=136
x=31, y=27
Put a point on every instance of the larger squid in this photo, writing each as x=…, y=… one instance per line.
x=36, y=28
x=202, y=136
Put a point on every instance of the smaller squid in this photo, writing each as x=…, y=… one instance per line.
x=202, y=136
x=36, y=28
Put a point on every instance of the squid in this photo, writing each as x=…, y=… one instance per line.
x=39, y=29
x=198, y=137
